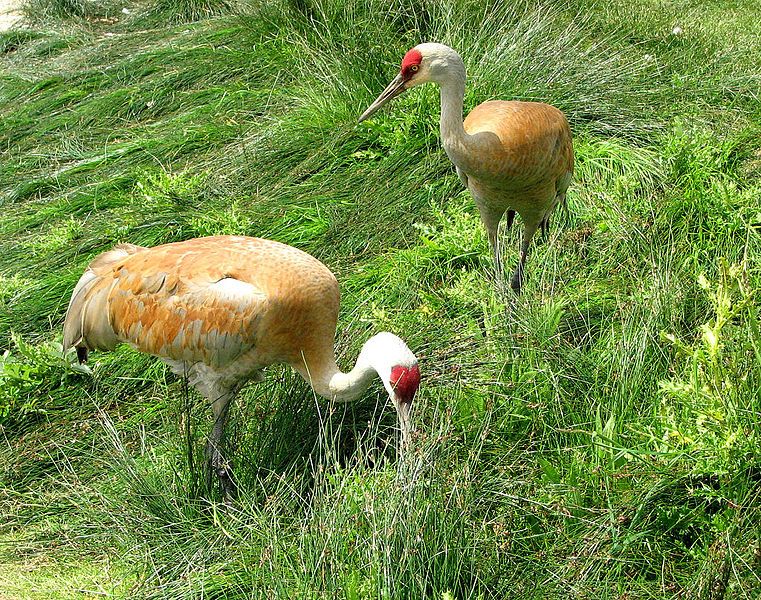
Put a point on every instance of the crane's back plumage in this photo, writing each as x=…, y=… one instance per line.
x=207, y=300
x=525, y=143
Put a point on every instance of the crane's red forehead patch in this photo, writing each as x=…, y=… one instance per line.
x=413, y=57
x=405, y=381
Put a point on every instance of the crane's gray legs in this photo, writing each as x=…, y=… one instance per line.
x=216, y=464
x=545, y=225
x=517, y=281
x=492, y=228
x=491, y=218
x=528, y=233
x=496, y=253
x=510, y=219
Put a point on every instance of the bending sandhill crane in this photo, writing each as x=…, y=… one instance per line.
x=220, y=309
x=512, y=156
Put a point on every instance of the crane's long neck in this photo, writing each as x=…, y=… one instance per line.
x=345, y=387
x=455, y=140
x=328, y=381
x=380, y=355
x=452, y=98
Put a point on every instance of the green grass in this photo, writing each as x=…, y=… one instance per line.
x=596, y=437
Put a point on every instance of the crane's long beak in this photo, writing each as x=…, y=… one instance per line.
x=392, y=90
x=405, y=423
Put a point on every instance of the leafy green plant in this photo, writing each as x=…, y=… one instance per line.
x=709, y=410
x=30, y=374
x=157, y=188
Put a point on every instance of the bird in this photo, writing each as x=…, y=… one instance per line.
x=220, y=309
x=513, y=156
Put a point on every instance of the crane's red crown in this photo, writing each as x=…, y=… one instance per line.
x=405, y=381
x=412, y=58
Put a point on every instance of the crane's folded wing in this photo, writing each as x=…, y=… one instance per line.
x=209, y=317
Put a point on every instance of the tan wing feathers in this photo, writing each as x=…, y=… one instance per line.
x=185, y=319
x=73, y=325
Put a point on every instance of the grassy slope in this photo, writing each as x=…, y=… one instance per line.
x=565, y=447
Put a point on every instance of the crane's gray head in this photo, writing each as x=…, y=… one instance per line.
x=423, y=63
x=398, y=368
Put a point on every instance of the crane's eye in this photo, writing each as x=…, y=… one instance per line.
x=414, y=68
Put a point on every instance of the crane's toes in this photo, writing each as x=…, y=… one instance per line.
x=218, y=467
x=517, y=280
x=227, y=484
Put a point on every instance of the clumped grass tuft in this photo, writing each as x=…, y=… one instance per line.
x=186, y=11
x=12, y=40
x=41, y=10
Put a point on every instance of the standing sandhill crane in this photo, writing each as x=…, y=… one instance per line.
x=220, y=309
x=512, y=156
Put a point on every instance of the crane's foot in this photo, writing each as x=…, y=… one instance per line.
x=218, y=467
x=517, y=280
x=222, y=475
x=226, y=484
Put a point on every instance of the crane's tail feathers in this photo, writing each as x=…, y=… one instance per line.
x=72, y=326
x=86, y=326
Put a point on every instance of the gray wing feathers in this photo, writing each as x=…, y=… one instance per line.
x=73, y=325
x=86, y=323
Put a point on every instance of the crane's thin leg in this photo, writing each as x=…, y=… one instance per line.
x=510, y=219
x=545, y=225
x=215, y=445
x=517, y=280
x=491, y=218
x=496, y=253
